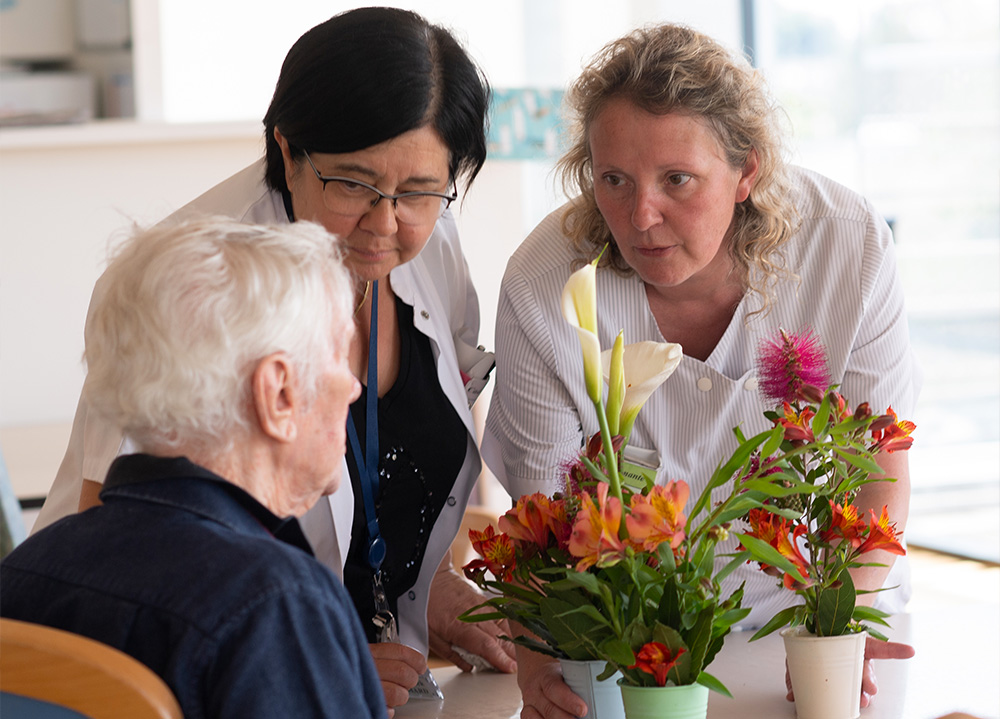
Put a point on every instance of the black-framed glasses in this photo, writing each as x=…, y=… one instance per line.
x=348, y=196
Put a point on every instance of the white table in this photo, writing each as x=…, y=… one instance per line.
x=956, y=668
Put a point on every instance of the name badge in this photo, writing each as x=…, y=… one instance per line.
x=639, y=467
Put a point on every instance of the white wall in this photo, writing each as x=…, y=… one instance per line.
x=62, y=206
x=65, y=191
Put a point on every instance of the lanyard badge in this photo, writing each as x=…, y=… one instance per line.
x=384, y=621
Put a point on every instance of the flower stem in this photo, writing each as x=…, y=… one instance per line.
x=609, y=453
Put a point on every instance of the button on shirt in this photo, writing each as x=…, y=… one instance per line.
x=193, y=577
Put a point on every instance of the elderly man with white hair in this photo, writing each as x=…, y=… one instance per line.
x=221, y=348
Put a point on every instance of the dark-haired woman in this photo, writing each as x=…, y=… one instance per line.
x=376, y=118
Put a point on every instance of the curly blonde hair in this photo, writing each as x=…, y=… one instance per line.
x=672, y=68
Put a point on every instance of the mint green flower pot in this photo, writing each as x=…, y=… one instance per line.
x=685, y=702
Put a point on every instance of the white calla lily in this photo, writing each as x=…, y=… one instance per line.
x=579, y=308
x=647, y=366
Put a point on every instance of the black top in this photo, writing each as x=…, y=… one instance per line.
x=422, y=448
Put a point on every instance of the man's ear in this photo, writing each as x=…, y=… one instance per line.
x=750, y=169
x=275, y=397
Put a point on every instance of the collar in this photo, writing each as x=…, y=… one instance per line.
x=178, y=482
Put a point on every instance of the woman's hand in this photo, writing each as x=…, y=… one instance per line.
x=544, y=693
x=451, y=595
x=399, y=668
x=874, y=649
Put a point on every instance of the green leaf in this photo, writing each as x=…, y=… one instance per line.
x=835, y=607
x=537, y=646
x=637, y=634
x=877, y=634
x=576, y=631
x=669, y=610
x=509, y=589
x=822, y=417
x=765, y=553
x=595, y=471
x=730, y=617
x=793, y=514
x=870, y=614
x=469, y=616
x=737, y=509
x=773, y=442
x=699, y=638
x=779, y=620
x=665, y=555
x=848, y=427
x=774, y=489
x=608, y=671
x=617, y=651
x=707, y=680
x=862, y=462
x=738, y=560
x=582, y=579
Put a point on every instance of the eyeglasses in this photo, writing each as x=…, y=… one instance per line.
x=347, y=196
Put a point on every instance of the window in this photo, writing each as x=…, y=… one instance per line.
x=901, y=101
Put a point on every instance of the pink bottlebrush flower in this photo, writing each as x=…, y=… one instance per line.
x=792, y=367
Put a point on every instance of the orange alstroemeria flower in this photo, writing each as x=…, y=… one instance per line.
x=845, y=525
x=655, y=658
x=659, y=517
x=497, y=551
x=882, y=535
x=778, y=532
x=528, y=522
x=595, y=532
x=559, y=523
x=896, y=436
x=788, y=546
x=798, y=425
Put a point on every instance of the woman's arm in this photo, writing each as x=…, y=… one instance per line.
x=451, y=595
x=895, y=496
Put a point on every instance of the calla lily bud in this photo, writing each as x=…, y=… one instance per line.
x=616, y=383
x=647, y=366
x=579, y=308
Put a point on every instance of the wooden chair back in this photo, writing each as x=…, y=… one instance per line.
x=79, y=673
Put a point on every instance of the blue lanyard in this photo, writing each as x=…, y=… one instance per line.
x=368, y=464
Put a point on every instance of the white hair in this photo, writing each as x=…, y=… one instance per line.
x=185, y=312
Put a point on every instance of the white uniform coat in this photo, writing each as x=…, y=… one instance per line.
x=445, y=308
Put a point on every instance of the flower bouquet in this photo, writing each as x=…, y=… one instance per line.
x=812, y=537
x=825, y=453
x=615, y=568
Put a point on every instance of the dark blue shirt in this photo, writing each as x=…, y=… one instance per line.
x=199, y=581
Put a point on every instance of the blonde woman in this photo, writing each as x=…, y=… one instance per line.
x=712, y=242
